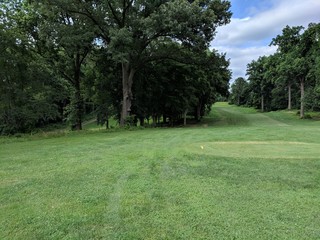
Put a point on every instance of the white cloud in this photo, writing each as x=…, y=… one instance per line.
x=246, y=39
x=240, y=57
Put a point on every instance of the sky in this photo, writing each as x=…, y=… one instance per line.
x=253, y=25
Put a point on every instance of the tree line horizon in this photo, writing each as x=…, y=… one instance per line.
x=288, y=79
x=136, y=60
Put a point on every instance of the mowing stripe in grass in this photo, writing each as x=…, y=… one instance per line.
x=253, y=178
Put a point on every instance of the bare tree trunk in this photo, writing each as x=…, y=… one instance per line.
x=154, y=120
x=164, y=118
x=302, y=98
x=127, y=81
x=141, y=120
x=78, y=123
x=78, y=99
x=198, y=113
x=262, y=103
x=289, y=96
x=185, y=117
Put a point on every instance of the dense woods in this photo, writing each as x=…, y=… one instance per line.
x=139, y=62
x=288, y=79
x=134, y=60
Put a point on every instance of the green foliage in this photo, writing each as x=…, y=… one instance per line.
x=289, y=77
x=138, y=32
x=289, y=39
x=238, y=91
x=169, y=89
x=260, y=86
x=30, y=94
x=63, y=56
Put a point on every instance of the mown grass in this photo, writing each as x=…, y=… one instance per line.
x=238, y=175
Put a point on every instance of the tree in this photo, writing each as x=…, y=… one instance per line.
x=66, y=42
x=259, y=83
x=30, y=94
x=102, y=86
x=217, y=76
x=177, y=89
x=311, y=50
x=168, y=39
x=238, y=90
x=135, y=31
x=295, y=64
x=294, y=69
x=284, y=75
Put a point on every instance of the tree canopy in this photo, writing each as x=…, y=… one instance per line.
x=131, y=59
x=290, y=77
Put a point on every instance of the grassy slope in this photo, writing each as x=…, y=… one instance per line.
x=242, y=175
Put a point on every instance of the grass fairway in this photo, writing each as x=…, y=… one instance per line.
x=238, y=175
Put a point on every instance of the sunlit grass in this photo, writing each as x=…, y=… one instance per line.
x=242, y=175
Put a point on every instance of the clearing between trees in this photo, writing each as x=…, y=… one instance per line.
x=239, y=174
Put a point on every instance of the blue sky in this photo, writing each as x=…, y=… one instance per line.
x=245, y=8
x=253, y=25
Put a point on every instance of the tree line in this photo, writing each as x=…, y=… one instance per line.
x=288, y=79
x=132, y=59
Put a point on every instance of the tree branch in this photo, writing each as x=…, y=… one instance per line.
x=115, y=15
x=89, y=15
x=66, y=77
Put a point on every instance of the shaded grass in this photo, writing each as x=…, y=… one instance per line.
x=91, y=124
x=160, y=183
x=223, y=115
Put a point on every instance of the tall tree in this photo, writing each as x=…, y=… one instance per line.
x=294, y=67
x=259, y=82
x=134, y=31
x=290, y=46
x=238, y=90
x=176, y=89
x=310, y=44
x=30, y=93
x=67, y=40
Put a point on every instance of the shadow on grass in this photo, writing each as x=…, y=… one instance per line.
x=224, y=117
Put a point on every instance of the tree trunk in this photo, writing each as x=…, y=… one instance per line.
x=78, y=99
x=164, y=119
x=302, y=98
x=141, y=120
x=289, y=96
x=78, y=103
x=154, y=120
x=127, y=81
x=185, y=117
x=198, y=113
x=262, y=103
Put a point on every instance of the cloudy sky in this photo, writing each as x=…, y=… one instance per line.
x=253, y=25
